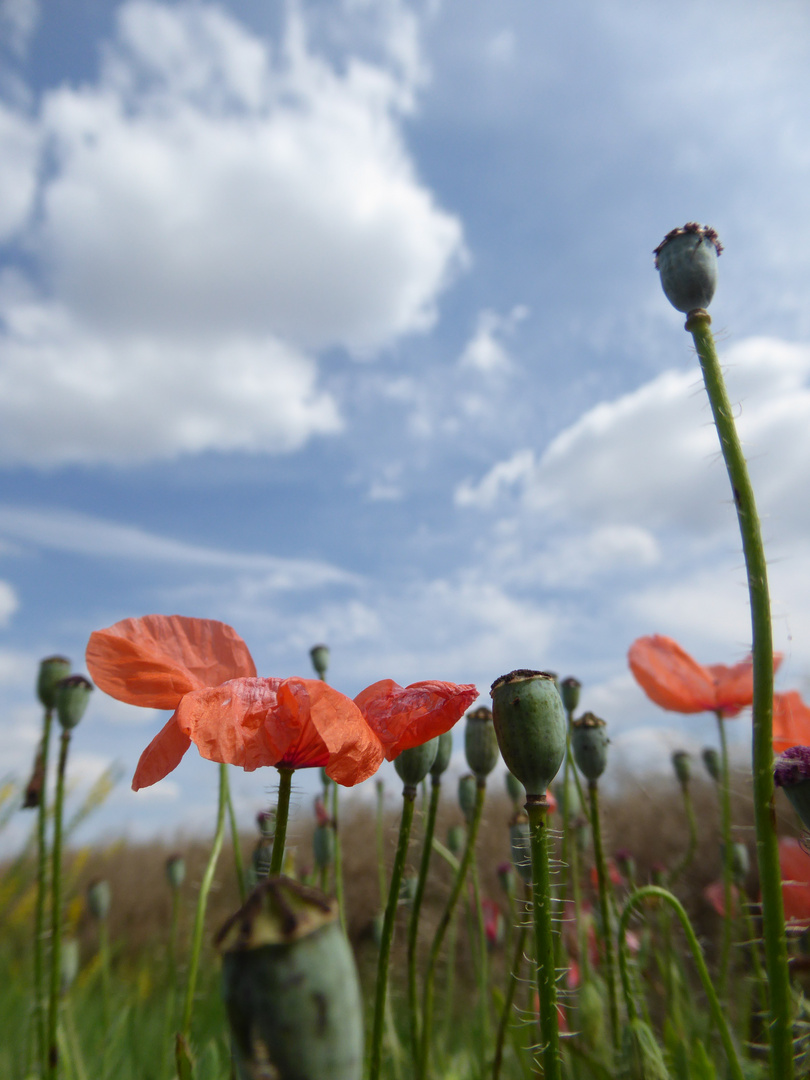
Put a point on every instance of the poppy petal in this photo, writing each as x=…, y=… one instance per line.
x=669, y=676
x=404, y=718
x=153, y=661
x=791, y=721
x=162, y=755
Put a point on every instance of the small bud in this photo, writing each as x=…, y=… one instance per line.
x=792, y=773
x=99, y=898
x=569, y=692
x=658, y=874
x=520, y=841
x=711, y=759
x=682, y=764
x=515, y=790
x=71, y=699
x=413, y=765
x=531, y=727
x=444, y=752
x=323, y=845
x=51, y=671
x=175, y=871
x=467, y=791
x=625, y=863
x=290, y=986
x=36, y=782
x=320, y=659
x=481, y=742
x=266, y=823
x=589, y=742
x=687, y=261
x=68, y=963
x=456, y=837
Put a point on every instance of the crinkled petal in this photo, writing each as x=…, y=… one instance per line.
x=162, y=755
x=670, y=677
x=791, y=721
x=239, y=722
x=332, y=732
x=794, y=864
x=404, y=718
x=153, y=661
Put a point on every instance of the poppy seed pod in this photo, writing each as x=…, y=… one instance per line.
x=520, y=843
x=290, y=987
x=99, y=898
x=515, y=790
x=711, y=759
x=792, y=774
x=481, y=742
x=467, y=789
x=569, y=692
x=51, y=672
x=531, y=726
x=589, y=742
x=455, y=839
x=687, y=260
x=71, y=698
x=444, y=751
x=413, y=765
x=320, y=659
x=682, y=764
x=175, y=871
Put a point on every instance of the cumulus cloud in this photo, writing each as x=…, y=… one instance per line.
x=215, y=212
x=486, y=350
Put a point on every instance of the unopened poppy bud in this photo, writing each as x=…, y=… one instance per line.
x=290, y=986
x=711, y=760
x=531, y=727
x=641, y=1057
x=569, y=692
x=687, y=261
x=320, y=659
x=658, y=874
x=455, y=839
x=71, y=698
x=444, y=752
x=515, y=790
x=36, y=782
x=68, y=963
x=682, y=764
x=99, y=898
x=625, y=863
x=467, y=790
x=520, y=842
x=481, y=742
x=792, y=774
x=413, y=765
x=175, y=871
x=589, y=742
x=323, y=845
x=51, y=672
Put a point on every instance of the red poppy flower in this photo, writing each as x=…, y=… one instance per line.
x=672, y=679
x=791, y=721
x=794, y=864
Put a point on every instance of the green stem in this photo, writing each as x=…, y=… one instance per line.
x=441, y=930
x=773, y=914
x=728, y=856
x=691, y=848
x=509, y=998
x=413, y=923
x=604, y=907
x=408, y=799
x=56, y=908
x=636, y=901
x=202, y=902
x=239, y=865
x=537, y=809
x=381, y=841
x=338, y=859
x=482, y=966
x=282, y=814
x=42, y=890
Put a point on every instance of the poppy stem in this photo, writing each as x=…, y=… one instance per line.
x=689, y=855
x=408, y=801
x=698, y=323
x=239, y=867
x=605, y=910
x=546, y=972
x=282, y=815
x=42, y=889
x=728, y=856
x=513, y=979
x=413, y=923
x=56, y=909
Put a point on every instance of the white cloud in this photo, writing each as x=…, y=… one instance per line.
x=8, y=603
x=18, y=21
x=507, y=475
x=485, y=351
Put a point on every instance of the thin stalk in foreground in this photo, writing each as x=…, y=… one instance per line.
x=537, y=809
x=282, y=815
x=56, y=907
x=42, y=890
x=604, y=907
x=635, y=901
x=698, y=323
x=239, y=866
x=509, y=997
x=413, y=923
x=728, y=856
x=691, y=848
x=338, y=858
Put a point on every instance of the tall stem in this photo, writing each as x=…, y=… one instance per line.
x=56, y=907
x=604, y=907
x=42, y=890
x=537, y=809
x=728, y=856
x=773, y=914
x=413, y=923
x=238, y=864
x=691, y=848
x=282, y=815
x=408, y=799
x=338, y=857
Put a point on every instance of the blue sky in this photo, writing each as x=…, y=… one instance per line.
x=338, y=321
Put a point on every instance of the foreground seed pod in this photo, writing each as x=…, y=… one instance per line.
x=589, y=742
x=480, y=742
x=51, y=672
x=687, y=261
x=71, y=698
x=530, y=724
x=792, y=774
x=290, y=987
x=413, y=765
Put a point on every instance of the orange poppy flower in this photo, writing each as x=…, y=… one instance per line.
x=791, y=721
x=672, y=679
x=794, y=864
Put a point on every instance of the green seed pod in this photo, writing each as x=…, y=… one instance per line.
x=641, y=1057
x=51, y=672
x=569, y=692
x=99, y=898
x=682, y=764
x=687, y=261
x=515, y=790
x=456, y=837
x=467, y=791
x=68, y=963
x=413, y=765
x=531, y=726
x=711, y=759
x=520, y=843
x=290, y=987
x=320, y=659
x=444, y=752
x=481, y=742
x=323, y=846
x=175, y=871
x=589, y=742
x=71, y=699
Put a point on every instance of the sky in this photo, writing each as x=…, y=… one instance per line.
x=338, y=321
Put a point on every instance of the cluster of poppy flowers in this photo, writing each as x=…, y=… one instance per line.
x=203, y=670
